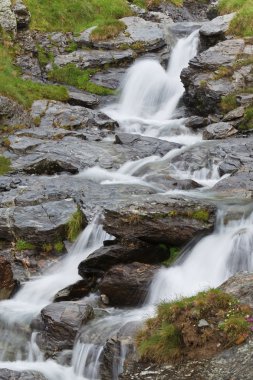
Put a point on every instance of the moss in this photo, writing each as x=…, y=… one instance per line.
x=201, y=215
x=109, y=29
x=74, y=226
x=203, y=84
x=174, y=253
x=22, y=245
x=73, y=76
x=47, y=247
x=59, y=247
x=173, y=334
x=5, y=163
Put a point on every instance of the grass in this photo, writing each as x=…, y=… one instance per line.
x=242, y=23
x=107, y=30
x=24, y=92
x=228, y=102
x=73, y=76
x=5, y=165
x=22, y=245
x=74, y=16
x=173, y=334
x=174, y=253
x=75, y=225
x=247, y=120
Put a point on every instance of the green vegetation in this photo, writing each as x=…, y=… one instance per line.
x=247, y=120
x=59, y=247
x=73, y=76
x=22, y=245
x=228, y=102
x=24, y=92
x=223, y=72
x=202, y=215
x=174, y=253
x=242, y=23
x=74, y=226
x=5, y=165
x=75, y=15
x=175, y=334
x=107, y=30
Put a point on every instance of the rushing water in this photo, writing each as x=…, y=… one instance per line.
x=148, y=101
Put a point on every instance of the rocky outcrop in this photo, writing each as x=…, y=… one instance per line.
x=127, y=285
x=140, y=34
x=7, y=282
x=22, y=14
x=240, y=286
x=7, y=374
x=59, y=325
x=174, y=221
x=8, y=20
x=219, y=131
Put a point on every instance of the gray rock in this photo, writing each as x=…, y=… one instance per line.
x=215, y=30
x=240, y=286
x=219, y=131
x=12, y=113
x=196, y=122
x=83, y=99
x=245, y=99
x=93, y=58
x=110, y=78
x=234, y=114
x=7, y=374
x=76, y=291
x=7, y=17
x=61, y=322
x=203, y=323
x=141, y=34
x=22, y=14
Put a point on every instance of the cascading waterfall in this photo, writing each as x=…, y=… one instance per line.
x=148, y=101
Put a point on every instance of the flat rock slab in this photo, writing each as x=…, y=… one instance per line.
x=37, y=224
x=219, y=131
x=172, y=221
x=83, y=99
x=217, y=26
x=93, y=58
x=141, y=34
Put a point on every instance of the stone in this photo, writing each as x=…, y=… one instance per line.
x=219, y=131
x=83, y=99
x=126, y=251
x=244, y=99
x=140, y=34
x=7, y=17
x=76, y=291
x=22, y=14
x=7, y=374
x=7, y=283
x=240, y=286
x=196, y=122
x=203, y=323
x=237, y=113
x=170, y=222
x=12, y=113
x=61, y=322
x=127, y=285
x=110, y=78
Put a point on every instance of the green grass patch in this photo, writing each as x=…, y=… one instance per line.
x=174, y=333
x=5, y=165
x=24, y=92
x=228, y=102
x=109, y=29
x=247, y=123
x=75, y=225
x=74, y=16
x=59, y=247
x=73, y=76
x=22, y=245
x=242, y=23
x=201, y=215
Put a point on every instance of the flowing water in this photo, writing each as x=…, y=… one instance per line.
x=147, y=104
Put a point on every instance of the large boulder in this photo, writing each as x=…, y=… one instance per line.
x=219, y=131
x=172, y=221
x=127, y=285
x=60, y=323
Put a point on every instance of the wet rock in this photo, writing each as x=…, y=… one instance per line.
x=174, y=221
x=126, y=251
x=149, y=145
x=183, y=29
x=7, y=17
x=110, y=78
x=240, y=286
x=219, y=131
x=22, y=14
x=141, y=34
x=196, y=122
x=22, y=145
x=93, y=58
x=83, y=99
x=76, y=291
x=61, y=322
x=7, y=283
x=7, y=374
x=127, y=285
x=165, y=182
x=215, y=30
x=244, y=99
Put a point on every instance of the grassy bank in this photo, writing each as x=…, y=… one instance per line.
x=242, y=24
x=194, y=328
x=75, y=15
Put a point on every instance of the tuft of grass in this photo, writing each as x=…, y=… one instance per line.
x=174, y=253
x=74, y=16
x=23, y=91
x=247, y=120
x=22, y=245
x=173, y=334
x=59, y=247
x=228, y=102
x=201, y=215
x=107, y=30
x=5, y=165
x=73, y=76
x=242, y=23
x=74, y=226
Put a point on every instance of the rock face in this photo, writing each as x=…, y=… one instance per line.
x=240, y=285
x=7, y=17
x=22, y=14
x=60, y=324
x=7, y=283
x=127, y=285
x=140, y=34
x=7, y=374
x=174, y=222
